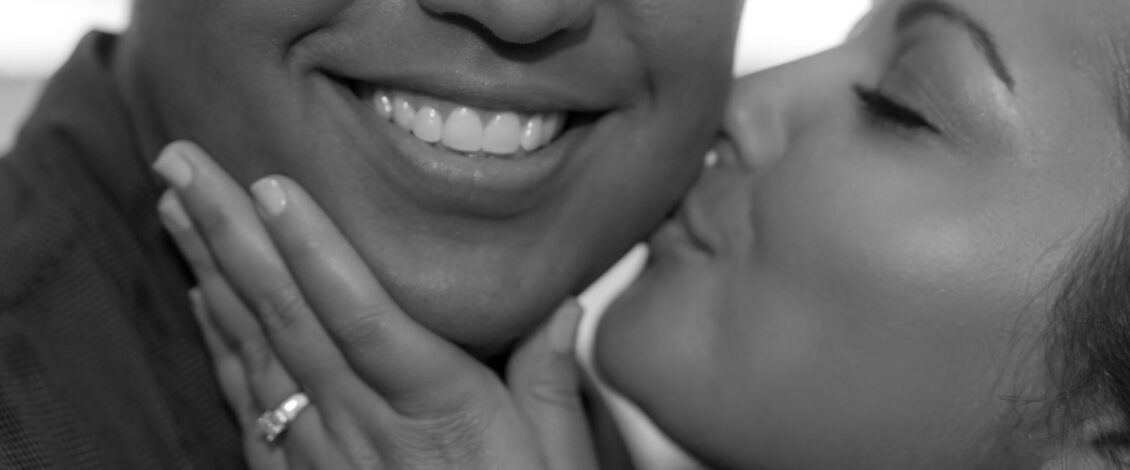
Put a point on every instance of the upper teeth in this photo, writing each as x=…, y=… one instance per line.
x=466, y=129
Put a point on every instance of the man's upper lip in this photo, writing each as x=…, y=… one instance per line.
x=523, y=94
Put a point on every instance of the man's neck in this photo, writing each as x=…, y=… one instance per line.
x=141, y=102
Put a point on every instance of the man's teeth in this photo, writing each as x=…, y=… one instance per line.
x=466, y=129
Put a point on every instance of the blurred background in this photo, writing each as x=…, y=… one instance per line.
x=36, y=36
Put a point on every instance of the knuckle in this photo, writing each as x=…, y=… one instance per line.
x=256, y=356
x=368, y=329
x=305, y=246
x=450, y=440
x=552, y=393
x=213, y=218
x=437, y=406
x=280, y=306
x=366, y=460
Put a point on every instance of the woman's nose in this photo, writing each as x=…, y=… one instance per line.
x=519, y=21
x=771, y=109
x=757, y=118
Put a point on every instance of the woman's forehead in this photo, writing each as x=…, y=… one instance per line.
x=1076, y=40
x=1045, y=41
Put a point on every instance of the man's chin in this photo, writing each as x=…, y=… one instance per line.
x=484, y=323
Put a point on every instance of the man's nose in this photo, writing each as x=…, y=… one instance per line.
x=519, y=21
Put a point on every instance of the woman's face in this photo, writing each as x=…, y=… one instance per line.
x=861, y=281
x=426, y=129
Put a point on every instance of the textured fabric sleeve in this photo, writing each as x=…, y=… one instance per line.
x=100, y=365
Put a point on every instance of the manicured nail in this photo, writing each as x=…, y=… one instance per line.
x=173, y=165
x=563, y=331
x=173, y=213
x=270, y=196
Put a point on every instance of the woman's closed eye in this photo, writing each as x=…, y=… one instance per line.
x=885, y=110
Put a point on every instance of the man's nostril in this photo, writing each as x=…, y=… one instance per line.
x=519, y=21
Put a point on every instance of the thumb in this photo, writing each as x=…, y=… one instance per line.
x=544, y=379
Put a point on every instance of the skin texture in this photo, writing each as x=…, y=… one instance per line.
x=845, y=291
x=285, y=304
x=261, y=85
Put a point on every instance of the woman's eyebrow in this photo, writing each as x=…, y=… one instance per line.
x=919, y=10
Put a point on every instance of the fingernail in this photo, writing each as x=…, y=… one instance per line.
x=173, y=213
x=563, y=332
x=270, y=196
x=173, y=165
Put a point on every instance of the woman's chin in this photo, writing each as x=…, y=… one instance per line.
x=654, y=346
x=622, y=347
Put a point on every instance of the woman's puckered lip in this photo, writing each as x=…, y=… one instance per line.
x=677, y=234
x=692, y=219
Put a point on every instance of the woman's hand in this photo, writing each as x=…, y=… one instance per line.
x=287, y=305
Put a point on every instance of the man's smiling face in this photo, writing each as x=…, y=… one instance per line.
x=486, y=157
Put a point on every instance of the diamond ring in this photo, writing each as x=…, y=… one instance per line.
x=273, y=423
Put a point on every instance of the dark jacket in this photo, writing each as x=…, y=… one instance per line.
x=101, y=363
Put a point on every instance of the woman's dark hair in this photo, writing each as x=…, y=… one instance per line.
x=1089, y=330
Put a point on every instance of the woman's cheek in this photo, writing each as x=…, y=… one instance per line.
x=882, y=238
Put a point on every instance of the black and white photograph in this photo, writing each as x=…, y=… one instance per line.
x=565, y=234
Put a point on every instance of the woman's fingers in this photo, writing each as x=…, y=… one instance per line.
x=327, y=316
x=544, y=380
x=237, y=326
x=244, y=258
x=225, y=360
x=233, y=383
x=389, y=350
x=400, y=359
x=250, y=376
x=268, y=382
x=235, y=323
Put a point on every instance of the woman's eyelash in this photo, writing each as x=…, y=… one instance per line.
x=883, y=108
